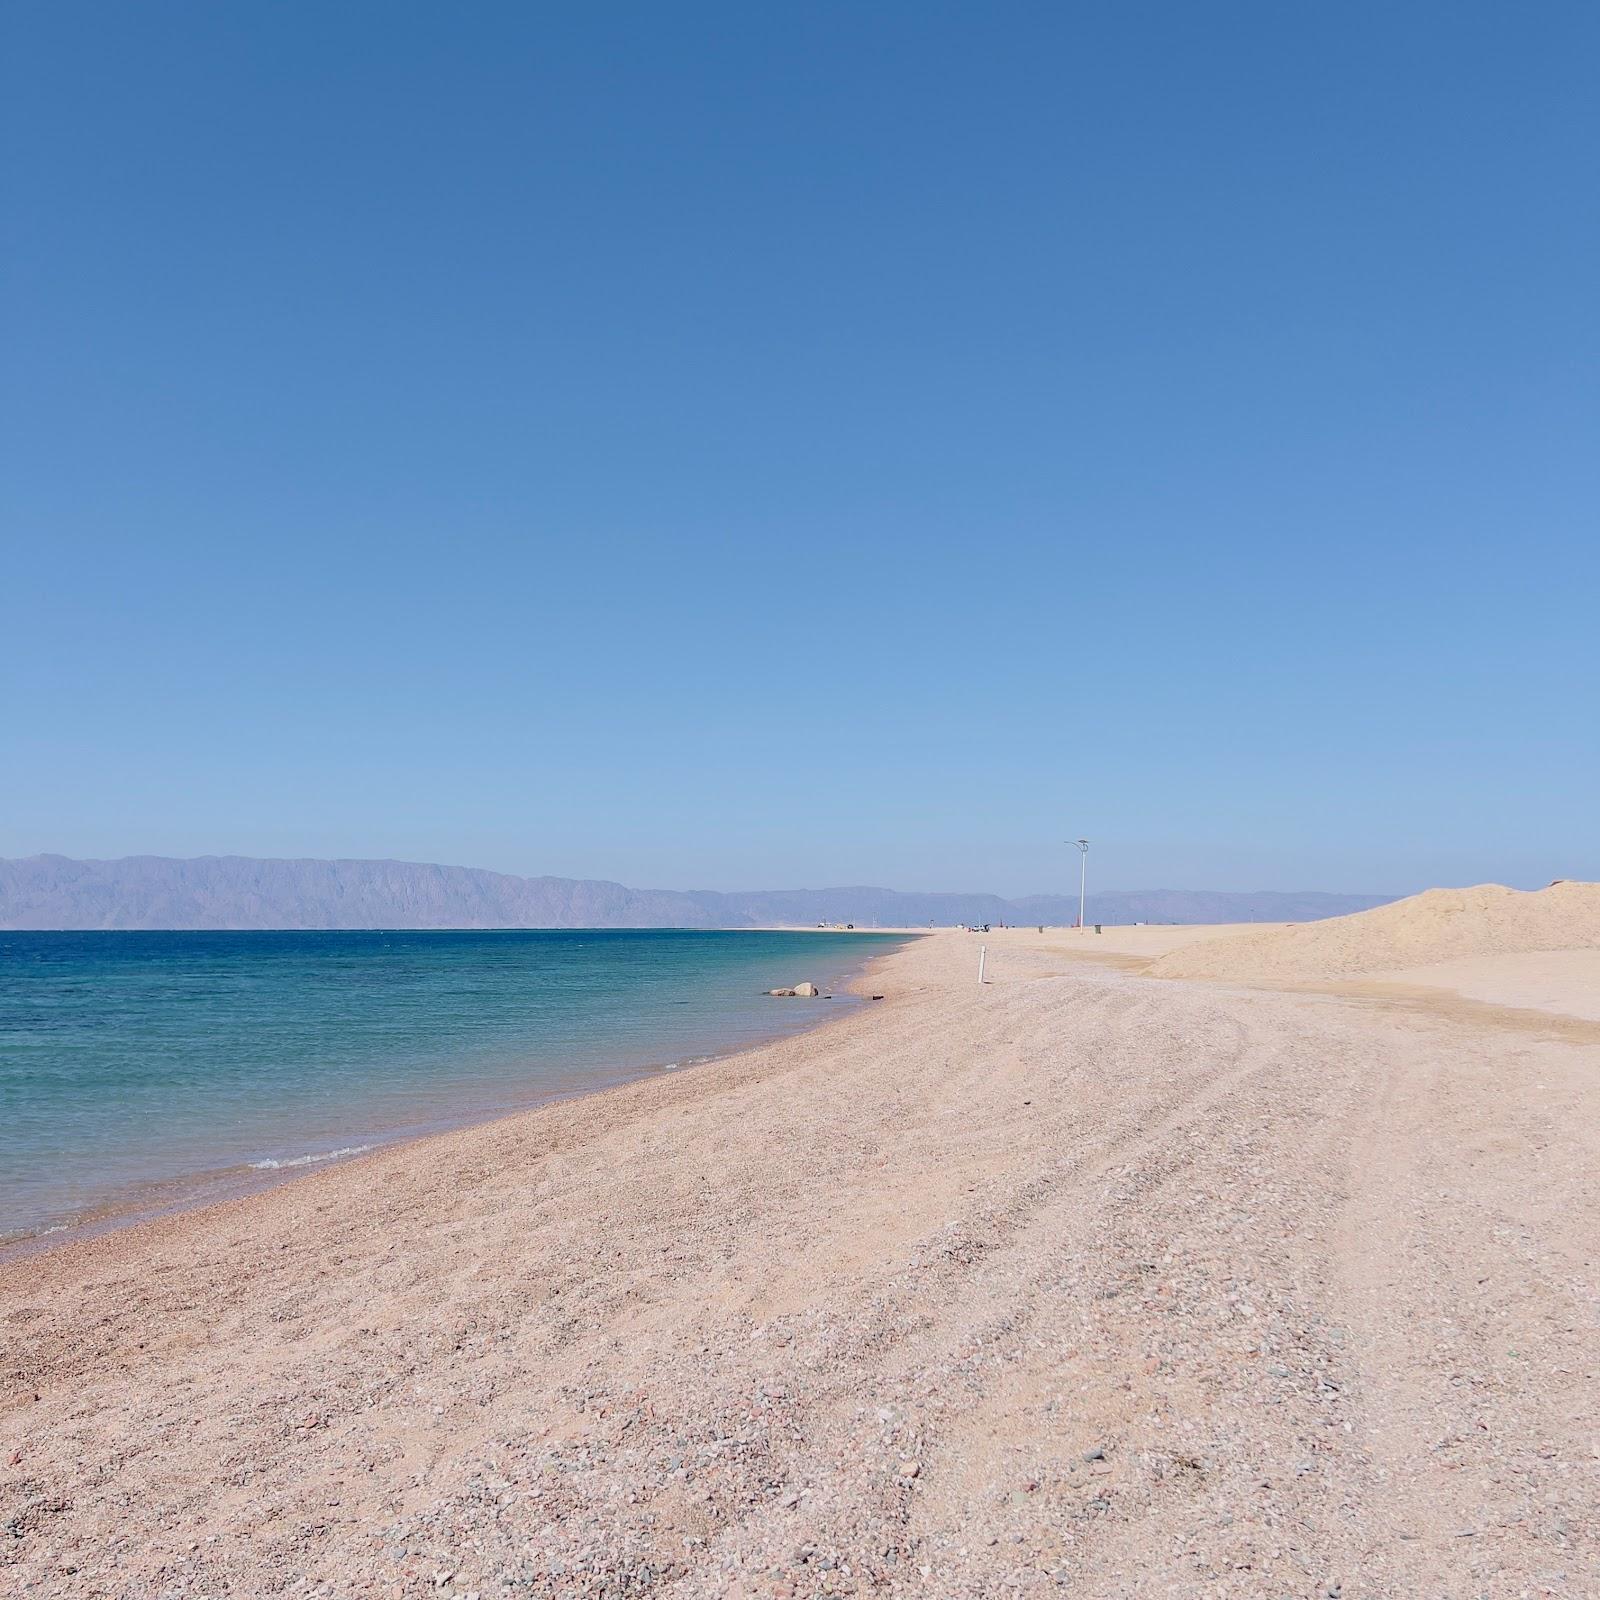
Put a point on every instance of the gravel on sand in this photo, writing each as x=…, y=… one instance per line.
x=1073, y=1283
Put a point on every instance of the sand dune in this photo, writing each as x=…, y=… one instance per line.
x=1441, y=925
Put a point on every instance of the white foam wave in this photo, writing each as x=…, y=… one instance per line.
x=270, y=1165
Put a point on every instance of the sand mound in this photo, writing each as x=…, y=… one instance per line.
x=1440, y=925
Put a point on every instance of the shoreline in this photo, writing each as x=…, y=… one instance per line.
x=181, y=1193
x=1074, y=1278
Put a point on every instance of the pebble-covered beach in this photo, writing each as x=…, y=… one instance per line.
x=1080, y=1282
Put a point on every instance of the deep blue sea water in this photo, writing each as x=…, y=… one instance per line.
x=139, y=1070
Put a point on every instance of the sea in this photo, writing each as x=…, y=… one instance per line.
x=142, y=1072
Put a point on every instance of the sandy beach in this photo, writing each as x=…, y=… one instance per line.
x=1085, y=1281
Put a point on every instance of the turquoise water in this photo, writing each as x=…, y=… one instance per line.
x=141, y=1070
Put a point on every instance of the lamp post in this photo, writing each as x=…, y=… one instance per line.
x=1083, y=875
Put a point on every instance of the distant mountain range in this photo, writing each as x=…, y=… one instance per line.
x=244, y=892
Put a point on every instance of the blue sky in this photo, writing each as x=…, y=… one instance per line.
x=725, y=446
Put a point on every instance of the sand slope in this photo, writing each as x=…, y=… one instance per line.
x=1565, y=983
x=1440, y=925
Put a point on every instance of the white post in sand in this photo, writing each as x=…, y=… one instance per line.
x=983, y=955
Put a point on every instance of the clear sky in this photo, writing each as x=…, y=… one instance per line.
x=735, y=445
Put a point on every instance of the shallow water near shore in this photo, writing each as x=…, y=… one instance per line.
x=139, y=1071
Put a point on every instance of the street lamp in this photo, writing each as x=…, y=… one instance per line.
x=1083, y=875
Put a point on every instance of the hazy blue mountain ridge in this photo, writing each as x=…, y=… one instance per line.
x=51, y=891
